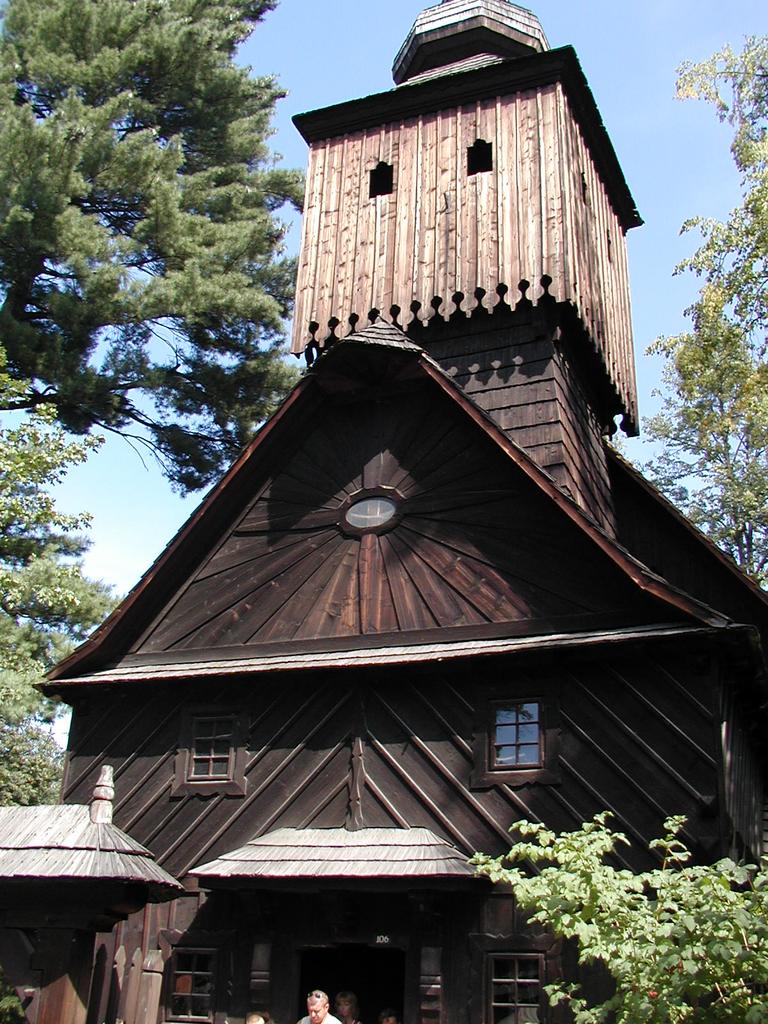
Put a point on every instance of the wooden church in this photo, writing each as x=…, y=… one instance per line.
x=428, y=600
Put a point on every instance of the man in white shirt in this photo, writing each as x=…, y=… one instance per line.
x=317, y=1009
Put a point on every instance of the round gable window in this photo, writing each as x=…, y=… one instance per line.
x=369, y=513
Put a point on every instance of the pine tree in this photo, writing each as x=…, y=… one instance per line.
x=143, y=283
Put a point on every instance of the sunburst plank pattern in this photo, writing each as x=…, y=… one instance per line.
x=474, y=542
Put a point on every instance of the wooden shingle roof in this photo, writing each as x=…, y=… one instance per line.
x=311, y=853
x=77, y=843
x=61, y=842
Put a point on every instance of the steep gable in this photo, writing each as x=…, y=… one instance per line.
x=481, y=540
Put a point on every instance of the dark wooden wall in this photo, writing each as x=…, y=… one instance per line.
x=639, y=736
x=530, y=378
x=743, y=778
x=638, y=730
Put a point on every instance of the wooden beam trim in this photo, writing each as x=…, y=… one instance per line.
x=606, y=805
x=142, y=714
x=428, y=802
x=174, y=809
x=327, y=798
x=458, y=740
x=205, y=809
x=386, y=803
x=443, y=770
x=671, y=725
x=661, y=670
x=314, y=771
x=645, y=747
x=152, y=799
x=470, y=642
x=590, y=741
x=169, y=755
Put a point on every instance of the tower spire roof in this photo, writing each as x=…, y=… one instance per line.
x=455, y=30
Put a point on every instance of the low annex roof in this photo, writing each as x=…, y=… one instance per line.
x=311, y=853
x=64, y=843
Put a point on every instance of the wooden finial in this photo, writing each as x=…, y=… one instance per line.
x=103, y=795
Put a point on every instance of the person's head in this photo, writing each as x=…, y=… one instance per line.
x=388, y=1016
x=317, y=1006
x=255, y=1018
x=345, y=1005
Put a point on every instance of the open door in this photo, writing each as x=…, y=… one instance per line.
x=375, y=975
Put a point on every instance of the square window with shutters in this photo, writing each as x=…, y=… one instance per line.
x=192, y=985
x=211, y=753
x=513, y=989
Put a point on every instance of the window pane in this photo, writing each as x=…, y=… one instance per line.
x=507, y=715
x=192, y=985
x=212, y=747
x=504, y=993
x=513, y=989
x=508, y=733
x=517, y=734
x=370, y=512
x=506, y=755
x=503, y=967
x=528, y=734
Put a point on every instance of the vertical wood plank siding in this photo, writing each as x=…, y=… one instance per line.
x=542, y=210
x=743, y=783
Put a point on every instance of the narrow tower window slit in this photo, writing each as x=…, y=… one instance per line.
x=479, y=157
x=381, y=180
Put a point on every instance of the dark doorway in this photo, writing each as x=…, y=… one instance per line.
x=375, y=975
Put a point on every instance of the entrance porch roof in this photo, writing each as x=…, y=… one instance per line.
x=313, y=853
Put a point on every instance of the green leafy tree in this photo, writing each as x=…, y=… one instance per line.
x=713, y=427
x=143, y=285
x=714, y=431
x=685, y=944
x=46, y=603
x=734, y=253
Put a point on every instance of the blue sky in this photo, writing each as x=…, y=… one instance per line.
x=674, y=155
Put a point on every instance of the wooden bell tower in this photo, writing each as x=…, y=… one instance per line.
x=480, y=206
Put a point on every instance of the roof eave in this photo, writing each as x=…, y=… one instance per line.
x=526, y=72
